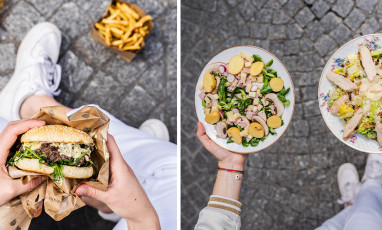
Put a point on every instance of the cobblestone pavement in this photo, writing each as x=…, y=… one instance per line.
x=291, y=185
x=133, y=92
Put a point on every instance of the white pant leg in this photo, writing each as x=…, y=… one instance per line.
x=366, y=213
x=3, y=123
x=337, y=222
x=154, y=162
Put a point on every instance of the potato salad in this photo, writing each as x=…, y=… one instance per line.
x=357, y=93
x=244, y=98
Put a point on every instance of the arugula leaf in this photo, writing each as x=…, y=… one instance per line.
x=204, y=103
x=254, y=142
x=266, y=87
x=269, y=63
x=271, y=131
x=256, y=58
x=281, y=96
x=244, y=142
x=229, y=141
x=222, y=89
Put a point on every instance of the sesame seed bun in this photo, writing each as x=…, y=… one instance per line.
x=57, y=133
x=33, y=165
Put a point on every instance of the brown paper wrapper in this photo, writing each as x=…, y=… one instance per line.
x=127, y=55
x=59, y=199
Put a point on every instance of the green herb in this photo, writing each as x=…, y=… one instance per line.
x=281, y=96
x=256, y=58
x=229, y=141
x=266, y=87
x=222, y=90
x=244, y=142
x=254, y=142
x=75, y=162
x=57, y=172
x=204, y=103
x=271, y=131
x=269, y=63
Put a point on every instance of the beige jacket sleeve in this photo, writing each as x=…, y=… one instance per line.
x=220, y=213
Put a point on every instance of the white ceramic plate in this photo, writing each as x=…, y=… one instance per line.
x=334, y=123
x=282, y=72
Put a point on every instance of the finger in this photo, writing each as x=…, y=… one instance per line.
x=210, y=145
x=88, y=191
x=115, y=154
x=21, y=188
x=10, y=133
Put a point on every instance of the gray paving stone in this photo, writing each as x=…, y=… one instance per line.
x=324, y=45
x=247, y=10
x=320, y=8
x=99, y=87
x=294, y=31
x=126, y=73
x=367, y=5
x=136, y=110
x=314, y=30
x=92, y=51
x=151, y=7
x=277, y=32
x=291, y=47
x=7, y=57
x=46, y=7
x=330, y=21
x=341, y=34
x=94, y=8
x=293, y=6
x=154, y=50
x=343, y=7
x=74, y=72
x=71, y=20
x=304, y=17
x=153, y=79
x=355, y=19
x=370, y=26
x=280, y=17
x=22, y=18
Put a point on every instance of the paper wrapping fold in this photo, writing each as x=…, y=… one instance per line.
x=60, y=201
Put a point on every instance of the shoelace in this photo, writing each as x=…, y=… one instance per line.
x=49, y=76
x=351, y=191
x=373, y=170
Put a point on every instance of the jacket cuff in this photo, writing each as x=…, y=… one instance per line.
x=225, y=205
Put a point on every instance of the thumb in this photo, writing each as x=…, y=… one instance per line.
x=88, y=191
x=23, y=188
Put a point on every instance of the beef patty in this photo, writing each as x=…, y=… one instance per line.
x=54, y=155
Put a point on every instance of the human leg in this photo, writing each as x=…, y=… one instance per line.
x=348, y=183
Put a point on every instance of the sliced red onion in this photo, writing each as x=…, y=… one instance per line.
x=221, y=113
x=221, y=69
x=225, y=74
x=230, y=78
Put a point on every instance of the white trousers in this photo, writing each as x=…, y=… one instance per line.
x=365, y=213
x=153, y=161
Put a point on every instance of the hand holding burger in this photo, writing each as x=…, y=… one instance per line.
x=11, y=187
x=125, y=195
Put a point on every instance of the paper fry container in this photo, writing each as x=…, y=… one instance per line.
x=60, y=200
x=125, y=54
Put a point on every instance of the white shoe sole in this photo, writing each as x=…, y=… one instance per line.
x=155, y=128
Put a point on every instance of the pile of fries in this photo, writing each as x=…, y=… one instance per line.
x=123, y=28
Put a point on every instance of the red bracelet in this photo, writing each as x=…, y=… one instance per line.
x=231, y=170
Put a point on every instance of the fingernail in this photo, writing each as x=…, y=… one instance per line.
x=80, y=191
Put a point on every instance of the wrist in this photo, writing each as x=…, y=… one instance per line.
x=231, y=165
x=149, y=221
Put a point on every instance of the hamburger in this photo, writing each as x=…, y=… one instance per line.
x=57, y=150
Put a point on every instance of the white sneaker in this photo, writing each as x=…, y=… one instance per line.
x=36, y=71
x=155, y=128
x=373, y=169
x=348, y=183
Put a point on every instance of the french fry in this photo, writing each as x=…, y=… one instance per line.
x=123, y=28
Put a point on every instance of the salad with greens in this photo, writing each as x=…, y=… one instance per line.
x=244, y=99
x=357, y=93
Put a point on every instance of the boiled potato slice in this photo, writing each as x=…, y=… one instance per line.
x=277, y=84
x=256, y=68
x=234, y=134
x=236, y=65
x=209, y=82
x=212, y=117
x=274, y=121
x=256, y=130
